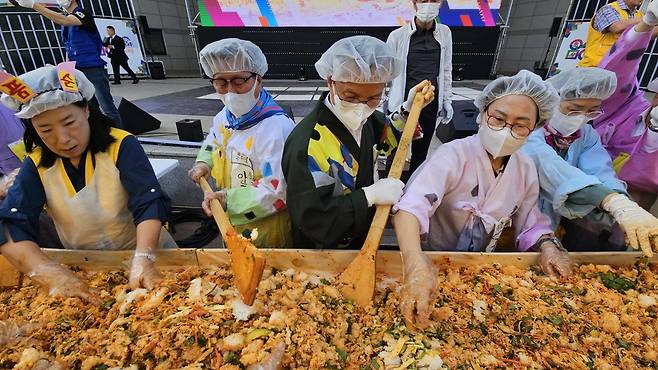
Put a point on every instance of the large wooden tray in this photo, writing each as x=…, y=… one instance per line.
x=310, y=261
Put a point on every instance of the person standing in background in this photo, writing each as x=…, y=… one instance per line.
x=425, y=47
x=11, y=131
x=608, y=24
x=83, y=45
x=118, y=56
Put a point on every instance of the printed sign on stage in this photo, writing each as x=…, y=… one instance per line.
x=572, y=47
x=128, y=31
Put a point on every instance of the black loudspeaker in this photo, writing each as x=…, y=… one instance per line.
x=463, y=124
x=555, y=27
x=189, y=130
x=156, y=69
x=144, y=23
x=135, y=120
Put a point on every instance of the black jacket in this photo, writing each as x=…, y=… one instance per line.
x=118, y=53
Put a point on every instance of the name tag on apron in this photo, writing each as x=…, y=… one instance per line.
x=242, y=171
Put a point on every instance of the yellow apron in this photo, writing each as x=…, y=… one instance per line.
x=96, y=217
x=598, y=43
x=273, y=231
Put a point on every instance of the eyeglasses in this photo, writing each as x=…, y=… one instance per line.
x=497, y=124
x=591, y=115
x=223, y=84
x=373, y=103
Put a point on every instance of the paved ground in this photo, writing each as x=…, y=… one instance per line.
x=174, y=99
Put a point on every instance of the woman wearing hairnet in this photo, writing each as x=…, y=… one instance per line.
x=469, y=190
x=629, y=124
x=329, y=160
x=244, y=147
x=96, y=182
x=576, y=177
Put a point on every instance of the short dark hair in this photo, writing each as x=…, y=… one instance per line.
x=111, y=28
x=99, y=136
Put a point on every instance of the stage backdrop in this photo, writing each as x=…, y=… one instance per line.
x=128, y=31
x=339, y=13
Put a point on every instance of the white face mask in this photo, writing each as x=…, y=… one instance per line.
x=567, y=125
x=499, y=143
x=427, y=11
x=64, y=3
x=240, y=104
x=352, y=115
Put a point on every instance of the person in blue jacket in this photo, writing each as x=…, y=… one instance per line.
x=83, y=45
x=579, y=189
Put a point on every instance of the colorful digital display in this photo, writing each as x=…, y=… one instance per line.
x=340, y=13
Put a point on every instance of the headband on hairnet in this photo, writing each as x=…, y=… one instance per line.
x=44, y=89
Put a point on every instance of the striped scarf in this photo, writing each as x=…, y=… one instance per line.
x=265, y=107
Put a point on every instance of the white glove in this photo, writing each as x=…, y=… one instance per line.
x=449, y=112
x=384, y=192
x=640, y=227
x=651, y=15
x=410, y=100
x=26, y=3
x=6, y=183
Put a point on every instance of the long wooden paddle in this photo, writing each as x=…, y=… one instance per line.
x=247, y=262
x=357, y=282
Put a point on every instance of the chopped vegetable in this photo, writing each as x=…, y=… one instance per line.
x=257, y=333
x=618, y=283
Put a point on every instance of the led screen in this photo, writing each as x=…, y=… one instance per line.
x=339, y=13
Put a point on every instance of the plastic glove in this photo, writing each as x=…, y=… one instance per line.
x=10, y=331
x=640, y=226
x=419, y=288
x=554, y=260
x=61, y=282
x=208, y=197
x=26, y=3
x=384, y=192
x=651, y=15
x=7, y=182
x=449, y=113
x=412, y=94
x=199, y=170
x=273, y=362
x=143, y=274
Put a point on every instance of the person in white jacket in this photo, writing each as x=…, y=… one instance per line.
x=425, y=47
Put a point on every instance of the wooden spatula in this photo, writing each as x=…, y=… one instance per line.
x=247, y=262
x=357, y=282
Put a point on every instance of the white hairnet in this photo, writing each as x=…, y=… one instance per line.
x=653, y=86
x=523, y=83
x=584, y=83
x=359, y=59
x=232, y=55
x=45, y=83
